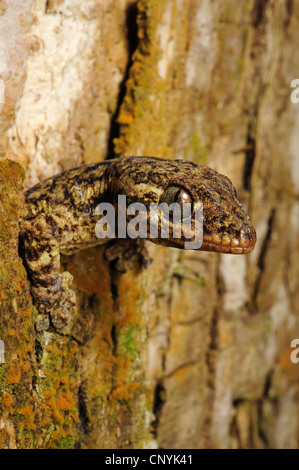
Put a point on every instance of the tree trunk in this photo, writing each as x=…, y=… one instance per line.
x=193, y=351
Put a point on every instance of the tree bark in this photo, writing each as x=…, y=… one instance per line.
x=193, y=351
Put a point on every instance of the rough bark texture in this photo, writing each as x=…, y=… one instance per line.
x=193, y=351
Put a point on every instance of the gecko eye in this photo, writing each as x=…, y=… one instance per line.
x=179, y=195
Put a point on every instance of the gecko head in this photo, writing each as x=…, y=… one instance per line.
x=159, y=184
x=226, y=225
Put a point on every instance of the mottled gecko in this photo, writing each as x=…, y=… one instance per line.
x=62, y=217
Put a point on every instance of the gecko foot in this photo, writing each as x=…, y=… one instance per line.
x=66, y=307
x=122, y=253
x=56, y=307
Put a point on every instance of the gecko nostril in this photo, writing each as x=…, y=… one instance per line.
x=247, y=236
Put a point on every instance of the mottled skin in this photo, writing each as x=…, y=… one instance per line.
x=62, y=218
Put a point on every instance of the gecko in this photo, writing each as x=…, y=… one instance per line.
x=62, y=216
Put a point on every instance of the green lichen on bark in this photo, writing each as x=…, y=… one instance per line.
x=139, y=111
x=157, y=114
x=38, y=395
x=111, y=389
x=16, y=318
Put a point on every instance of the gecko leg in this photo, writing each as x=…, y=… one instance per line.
x=122, y=253
x=50, y=288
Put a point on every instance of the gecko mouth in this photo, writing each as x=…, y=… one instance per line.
x=243, y=243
